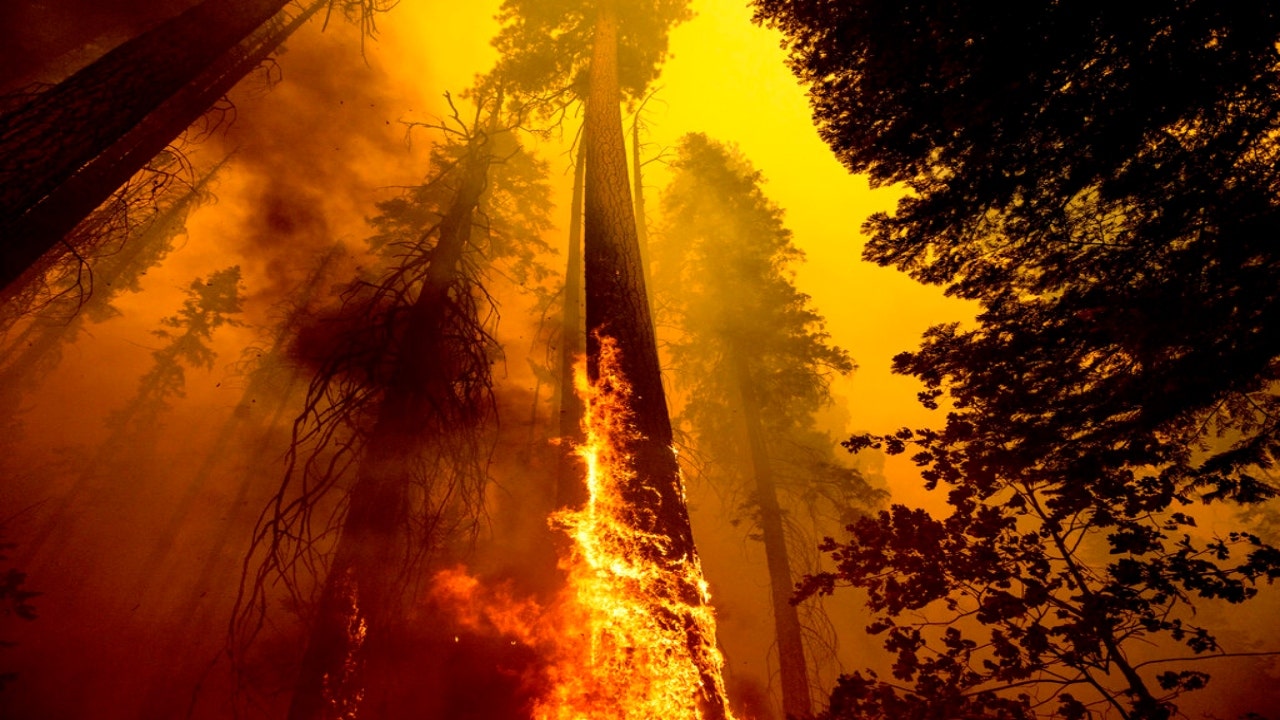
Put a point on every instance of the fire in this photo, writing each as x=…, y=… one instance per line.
x=627, y=653
x=617, y=642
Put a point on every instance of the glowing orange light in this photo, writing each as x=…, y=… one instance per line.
x=616, y=641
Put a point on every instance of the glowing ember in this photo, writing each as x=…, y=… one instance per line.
x=617, y=642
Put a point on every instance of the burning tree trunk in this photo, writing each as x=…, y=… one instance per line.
x=618, y=308
x=792, y=664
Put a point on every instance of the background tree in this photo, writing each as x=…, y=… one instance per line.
x=757, y=364
x=1101, y=179
x=15, y=601
x=211, y=303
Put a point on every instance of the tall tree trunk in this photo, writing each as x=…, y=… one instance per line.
x=571, y=489
x=617, y=306
x=792, y=665
x=38, y=350
x=63, y=152
x=358, y=604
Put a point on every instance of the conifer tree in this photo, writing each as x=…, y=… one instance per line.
x=756, y=363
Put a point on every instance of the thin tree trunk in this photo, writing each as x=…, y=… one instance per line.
x=571, y=489
x=262, y=384
x=642, y=224
x=617, y=306
x=66, y=150
x=357, y=609
x=792, y=665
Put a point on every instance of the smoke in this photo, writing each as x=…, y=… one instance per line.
x=314, y=152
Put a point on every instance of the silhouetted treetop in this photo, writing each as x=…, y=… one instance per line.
x=1056, y=96
x=546, y=45
x=1102, y=177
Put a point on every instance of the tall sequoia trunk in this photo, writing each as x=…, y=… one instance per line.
x=358, y=604
x=571, y=490
x=66, y=150
x=617, y=306
x=792, y=665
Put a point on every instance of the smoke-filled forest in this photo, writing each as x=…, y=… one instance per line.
x=633, y=359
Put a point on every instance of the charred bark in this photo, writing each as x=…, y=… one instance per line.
x=792, y=666
x=617, y=306
x=66, y=150
x=358, y=610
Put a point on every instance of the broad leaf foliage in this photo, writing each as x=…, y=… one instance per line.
x=1101, y=178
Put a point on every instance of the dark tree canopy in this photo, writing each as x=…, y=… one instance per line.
x=1101, y=178
x=546, y=46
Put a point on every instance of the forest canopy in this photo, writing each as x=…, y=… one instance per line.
x=1100, y=177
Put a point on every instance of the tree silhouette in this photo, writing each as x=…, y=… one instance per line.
x=1100, y=179
x=397, y=416
x=63, y=151
x=211, y=303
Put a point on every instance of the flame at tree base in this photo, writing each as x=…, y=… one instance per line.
x=630, y=637
x=645, y=644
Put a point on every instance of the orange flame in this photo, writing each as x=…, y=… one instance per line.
x=616, y=642
x=625, y=651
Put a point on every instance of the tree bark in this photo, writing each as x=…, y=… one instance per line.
x=66, y=150
x=37, y=350
x=358, y=604
x=617, y=306
x=792, y=665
